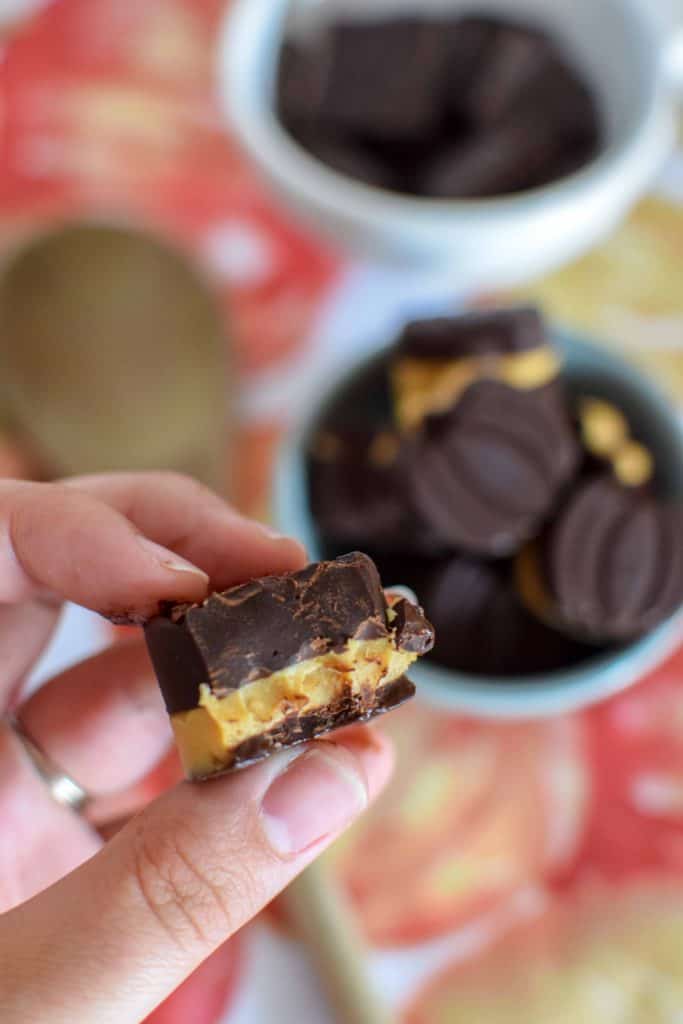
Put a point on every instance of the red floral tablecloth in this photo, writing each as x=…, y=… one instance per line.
x=512, y=872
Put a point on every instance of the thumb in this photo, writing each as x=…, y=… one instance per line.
x=114, y=938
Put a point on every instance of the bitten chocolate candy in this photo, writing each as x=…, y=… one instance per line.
x=484, y=475
x=611, y=566
x=281, y=660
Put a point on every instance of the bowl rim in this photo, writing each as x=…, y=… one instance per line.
x=561, y=691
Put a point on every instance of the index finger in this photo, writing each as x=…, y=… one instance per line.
x=184, y=515
x=66, y=540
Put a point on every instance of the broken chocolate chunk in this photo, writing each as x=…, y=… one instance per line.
x=345, y=156
x=301, y=80
x=413, y=632
x=467, y=41
x=509, y=64
x=383, y=77
x=515, y=155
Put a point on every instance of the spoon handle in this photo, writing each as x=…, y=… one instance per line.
x=327, y=927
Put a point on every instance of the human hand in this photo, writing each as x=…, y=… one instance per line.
x=112, y=938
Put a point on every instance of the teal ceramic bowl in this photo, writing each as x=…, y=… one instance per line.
x=588, y=369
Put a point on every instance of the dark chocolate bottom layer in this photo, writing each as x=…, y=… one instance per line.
x=349, y=710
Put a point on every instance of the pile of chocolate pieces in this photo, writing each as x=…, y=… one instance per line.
x=444, y=108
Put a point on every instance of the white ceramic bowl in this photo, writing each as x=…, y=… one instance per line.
x=617, y=43
x=588, y=368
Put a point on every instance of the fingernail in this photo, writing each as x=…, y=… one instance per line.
x=273, y=535
x=269, y=532
x=320, y=793
x=169, y=560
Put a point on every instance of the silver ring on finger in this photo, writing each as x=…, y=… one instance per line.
x=63, y=789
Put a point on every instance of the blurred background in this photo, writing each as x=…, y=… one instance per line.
x=163, y=306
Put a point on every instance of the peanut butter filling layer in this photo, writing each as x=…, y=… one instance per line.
x=423, y=387
x=208, y=735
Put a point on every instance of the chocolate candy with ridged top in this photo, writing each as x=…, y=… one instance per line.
x=484, y=475
x=480, y=333
x=614, y=560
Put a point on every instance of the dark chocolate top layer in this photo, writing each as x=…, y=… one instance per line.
x=614, y=560
x=495, y=332
x=253, y=630
x=484, y=475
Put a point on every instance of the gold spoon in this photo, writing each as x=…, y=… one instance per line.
x=113, y=355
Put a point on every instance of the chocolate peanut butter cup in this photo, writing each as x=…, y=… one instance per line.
x=283, y=659
x=437, y=360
